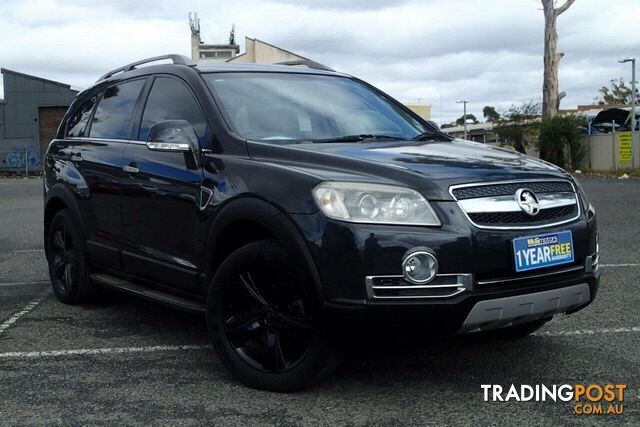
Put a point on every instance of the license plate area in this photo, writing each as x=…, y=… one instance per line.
x=543, y=250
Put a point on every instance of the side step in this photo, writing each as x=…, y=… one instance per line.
x=148, y=293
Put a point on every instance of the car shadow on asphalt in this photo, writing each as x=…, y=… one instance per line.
x=457, y=361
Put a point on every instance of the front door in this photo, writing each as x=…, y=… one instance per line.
x=98, y=139
x=161, y=200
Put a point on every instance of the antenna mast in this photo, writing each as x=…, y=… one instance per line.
x=232, y=35
x=194, y=23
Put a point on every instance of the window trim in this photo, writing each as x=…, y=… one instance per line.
x=135, y=136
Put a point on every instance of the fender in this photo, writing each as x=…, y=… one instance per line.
x=274, y=220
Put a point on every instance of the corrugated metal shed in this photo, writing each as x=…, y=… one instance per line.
x=24, y=97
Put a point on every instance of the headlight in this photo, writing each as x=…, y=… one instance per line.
x=374, y=203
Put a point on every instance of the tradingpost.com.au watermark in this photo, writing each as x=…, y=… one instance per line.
x=590, y=399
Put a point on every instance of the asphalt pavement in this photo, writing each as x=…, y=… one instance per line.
x=125, y=361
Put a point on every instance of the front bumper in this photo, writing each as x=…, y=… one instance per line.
x=448, y=315
x=481, y=263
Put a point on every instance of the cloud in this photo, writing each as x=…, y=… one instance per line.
x=345, y=5
x=487, y=51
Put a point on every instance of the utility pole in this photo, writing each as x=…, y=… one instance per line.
x=633, y=106
x=464, y=115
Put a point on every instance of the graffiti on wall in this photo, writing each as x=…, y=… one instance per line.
x=19, y=157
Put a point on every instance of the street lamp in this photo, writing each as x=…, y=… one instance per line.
x=464, y=116
x=633, y=104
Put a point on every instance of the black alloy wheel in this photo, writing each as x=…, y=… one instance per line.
x=263, y=321
x=66, y=256
x=62, y=254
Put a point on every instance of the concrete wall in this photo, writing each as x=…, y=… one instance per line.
x=195, y=47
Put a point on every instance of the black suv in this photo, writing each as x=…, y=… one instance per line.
x=289, y=202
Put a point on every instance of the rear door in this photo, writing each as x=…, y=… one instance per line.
x=97, y=156
x=161, y=201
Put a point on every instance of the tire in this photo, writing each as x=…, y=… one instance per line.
x=518, y=331
x=67, y=259
x=264, y=321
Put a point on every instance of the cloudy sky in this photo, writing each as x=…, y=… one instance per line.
x=487, y=51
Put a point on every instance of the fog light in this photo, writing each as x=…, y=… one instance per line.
x=420, y=267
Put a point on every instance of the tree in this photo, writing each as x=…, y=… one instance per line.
x=490, y=114
x=460, y=120
x=618, y=93
x=518, y=125
x=550, y=101
x=562, y=139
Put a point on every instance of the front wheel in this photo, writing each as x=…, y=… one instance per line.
x=264, y=323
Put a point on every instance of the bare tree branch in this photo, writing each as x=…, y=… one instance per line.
x=567, y=4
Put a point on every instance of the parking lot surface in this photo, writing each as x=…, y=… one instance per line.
x=125, y=361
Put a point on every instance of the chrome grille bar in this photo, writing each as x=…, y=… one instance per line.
x=509, y=204
x=395, y=287
x=530, y=276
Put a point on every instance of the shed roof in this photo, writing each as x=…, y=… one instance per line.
x=28, y=76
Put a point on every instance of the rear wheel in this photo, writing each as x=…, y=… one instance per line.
x=264, y=322
x=66, y=256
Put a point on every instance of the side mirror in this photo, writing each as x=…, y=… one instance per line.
x=173, y=135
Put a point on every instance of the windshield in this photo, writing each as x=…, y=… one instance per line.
x=286, y=108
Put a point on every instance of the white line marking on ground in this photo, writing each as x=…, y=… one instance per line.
x=158, y=348
x=94, y=351
x=33, y=282
x=590, y=331
x=619, y=265
x=13, y=319
x=26, y=251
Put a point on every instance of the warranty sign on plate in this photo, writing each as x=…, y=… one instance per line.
x=544, y=250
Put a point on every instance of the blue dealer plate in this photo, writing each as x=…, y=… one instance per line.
x=544, y=250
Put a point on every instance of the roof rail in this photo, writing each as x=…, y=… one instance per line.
x=177, y=59
x=307, y=63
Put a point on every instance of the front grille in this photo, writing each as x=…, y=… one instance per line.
x=495, y=204
x=543, y=217
x=493, y=190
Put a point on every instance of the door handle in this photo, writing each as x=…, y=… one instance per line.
x=76, y=158
x=130, y=169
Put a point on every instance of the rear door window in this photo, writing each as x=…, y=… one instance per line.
x=77, y=125
x=113, y=116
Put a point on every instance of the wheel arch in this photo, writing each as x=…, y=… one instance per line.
x=250, y=219
x=58, y=197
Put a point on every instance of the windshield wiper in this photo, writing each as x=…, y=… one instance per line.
x=355, y=138
x=428, y=136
